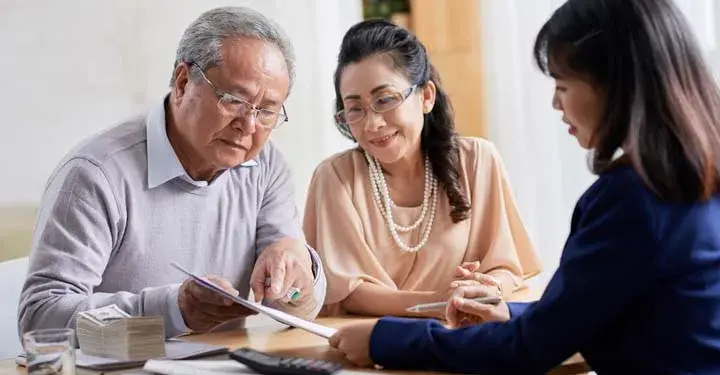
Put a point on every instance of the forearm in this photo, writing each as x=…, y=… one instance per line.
x=398, y=343
x=373, y=300
x=53, y=304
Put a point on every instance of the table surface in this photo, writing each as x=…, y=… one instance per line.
x=277, y=339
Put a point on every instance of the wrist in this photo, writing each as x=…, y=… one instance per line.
x=177, y=319
x=505, y=281
x=309, y=260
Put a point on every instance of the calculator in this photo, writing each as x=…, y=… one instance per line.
x=268, y=364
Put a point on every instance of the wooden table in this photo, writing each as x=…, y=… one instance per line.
x=276, y=338
x=298, y=343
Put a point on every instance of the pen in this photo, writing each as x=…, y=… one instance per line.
x=441, y=305
x=293, y=293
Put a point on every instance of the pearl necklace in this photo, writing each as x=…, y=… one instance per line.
x=381, y=196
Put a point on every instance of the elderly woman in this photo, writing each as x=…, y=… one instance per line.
x=415, y=210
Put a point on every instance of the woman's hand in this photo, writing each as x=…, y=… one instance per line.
x=445, y=295
x=462, y=310
x=469, y=271
x=465, y=275
x=353, y=340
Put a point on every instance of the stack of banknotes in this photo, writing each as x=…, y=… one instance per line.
x=111, y=332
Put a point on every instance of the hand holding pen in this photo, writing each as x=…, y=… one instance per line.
x=442, y=306
x=463, y=309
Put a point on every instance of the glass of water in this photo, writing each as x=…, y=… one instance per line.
x=50, y=351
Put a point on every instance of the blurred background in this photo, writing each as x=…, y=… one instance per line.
x=70, y=68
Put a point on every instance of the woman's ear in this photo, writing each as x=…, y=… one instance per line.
x=428, y=96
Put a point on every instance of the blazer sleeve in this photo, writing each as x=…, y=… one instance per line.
x=612, y=242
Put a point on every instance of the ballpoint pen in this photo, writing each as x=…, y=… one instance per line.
x=494, y=300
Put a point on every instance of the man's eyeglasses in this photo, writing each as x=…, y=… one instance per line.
x=231, y=105
x=379, y=103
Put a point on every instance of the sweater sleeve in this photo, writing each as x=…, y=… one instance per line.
x=279, y=218
x=79, y=224
x=606, y=263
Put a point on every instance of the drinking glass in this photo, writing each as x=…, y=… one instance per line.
x=50, y=351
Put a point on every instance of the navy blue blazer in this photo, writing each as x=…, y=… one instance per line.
x=637, y=290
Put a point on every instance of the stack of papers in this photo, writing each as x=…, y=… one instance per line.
x=213, y=367
x=174, y=349
x=111, y=332
x=170, y=367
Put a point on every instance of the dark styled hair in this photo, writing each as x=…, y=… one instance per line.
x=663, y=106
x=438, y=138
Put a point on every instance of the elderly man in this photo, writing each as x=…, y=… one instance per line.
x=196, y=182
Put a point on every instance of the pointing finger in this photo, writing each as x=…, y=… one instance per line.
x=277, y=281
x=257, y=280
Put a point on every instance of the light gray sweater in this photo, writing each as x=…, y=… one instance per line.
x=105, y=235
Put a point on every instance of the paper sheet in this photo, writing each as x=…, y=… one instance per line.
x=174, y=349
x=217, y=367
x=280, y=316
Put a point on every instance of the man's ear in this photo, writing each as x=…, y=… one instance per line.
x=428, y=96
x=182, y=78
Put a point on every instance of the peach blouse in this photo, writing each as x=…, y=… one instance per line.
x=343, y=223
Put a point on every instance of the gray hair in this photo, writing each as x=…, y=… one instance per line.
x=201, y=42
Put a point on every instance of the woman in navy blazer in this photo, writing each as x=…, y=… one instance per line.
x=638, y=285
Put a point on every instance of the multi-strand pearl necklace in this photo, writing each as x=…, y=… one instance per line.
x=381, y=195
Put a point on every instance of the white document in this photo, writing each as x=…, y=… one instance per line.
x=212, y=367
x=280, y=316
x=174, y=349
x=195, y=367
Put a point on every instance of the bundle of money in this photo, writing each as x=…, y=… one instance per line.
x=111, y=332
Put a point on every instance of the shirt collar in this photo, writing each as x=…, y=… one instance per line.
x=163, y=164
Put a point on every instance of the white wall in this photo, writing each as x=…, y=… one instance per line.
x=546, y=167
x=70, y=68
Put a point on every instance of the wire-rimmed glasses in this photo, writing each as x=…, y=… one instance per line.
x=383, y=102
x=231, y=105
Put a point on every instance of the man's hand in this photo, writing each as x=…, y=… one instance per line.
x=203, y=309
x=286, y=263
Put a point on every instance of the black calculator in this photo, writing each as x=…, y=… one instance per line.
x=267, y=364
